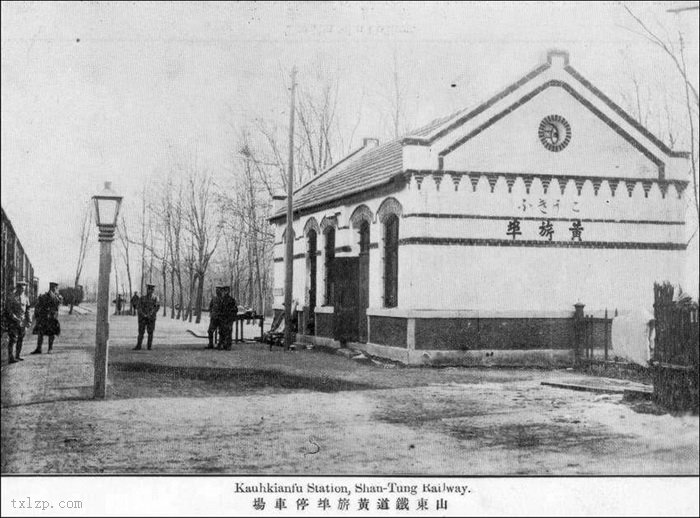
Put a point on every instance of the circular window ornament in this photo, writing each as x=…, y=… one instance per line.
x=555, y=132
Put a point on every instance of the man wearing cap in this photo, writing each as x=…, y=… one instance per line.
x=18, y=319
x=214, y=316
x=147, y=312
x=46, y=317
x=228, y=310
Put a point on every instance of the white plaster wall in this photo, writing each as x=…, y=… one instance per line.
x=533, y=278
x=521, y=278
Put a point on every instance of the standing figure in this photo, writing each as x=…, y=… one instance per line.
x=46, y=317
x=148, y=312
x=228, y=310
x=134, y=302
x=18, y=319
x=214, y=316
x=120, y=303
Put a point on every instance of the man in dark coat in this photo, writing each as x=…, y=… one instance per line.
x=214, y=316
x=228, y=310
x=119, y=301
x=17, y=319
x=148, y=312
x=46, y=317
x=134, y=303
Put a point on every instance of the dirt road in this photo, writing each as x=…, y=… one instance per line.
x=183, y=409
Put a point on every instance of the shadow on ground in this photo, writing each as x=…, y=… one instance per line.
x=138, y=379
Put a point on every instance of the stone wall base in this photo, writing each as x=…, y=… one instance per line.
x=540, y=358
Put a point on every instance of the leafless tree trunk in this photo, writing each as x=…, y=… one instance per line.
x=123, y=235
x=116, y=288
x=150, y=250
x=143, y=238
x=190, y=284
x=203, y=225
x=85, y=228
x=164, y=274
x=398, y=107
x=174, y=215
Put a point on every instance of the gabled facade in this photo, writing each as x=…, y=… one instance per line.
x=471, y=239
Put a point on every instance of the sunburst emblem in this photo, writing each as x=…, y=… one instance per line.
x=555, y=132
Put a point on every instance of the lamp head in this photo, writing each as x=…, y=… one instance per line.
x=107, y=204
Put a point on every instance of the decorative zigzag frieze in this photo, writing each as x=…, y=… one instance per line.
x=474, y=179
x=613, y=185
x=492, y=178
x=546, y=180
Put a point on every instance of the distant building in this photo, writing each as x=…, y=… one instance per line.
x=15, y=263
x=471, y=239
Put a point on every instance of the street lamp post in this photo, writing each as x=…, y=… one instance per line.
x=107, y=205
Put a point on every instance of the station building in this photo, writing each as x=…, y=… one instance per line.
x=470, y=240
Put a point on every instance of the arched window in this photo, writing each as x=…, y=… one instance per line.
x=391, y=260
x=311, y=258
x=364, y=237
x=329, y=255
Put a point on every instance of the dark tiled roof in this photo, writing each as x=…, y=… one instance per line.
x=372, y=168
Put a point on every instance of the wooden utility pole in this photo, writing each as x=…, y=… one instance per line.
x=289, y=255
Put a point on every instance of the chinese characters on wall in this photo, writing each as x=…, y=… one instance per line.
x=546, y=229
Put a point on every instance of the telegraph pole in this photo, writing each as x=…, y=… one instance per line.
x=289, y=255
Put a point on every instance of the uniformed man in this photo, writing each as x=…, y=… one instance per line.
x=228, y=310
x=134, y=301
x=46, y=317
x=147, y=313
x=18, y=319
x=214, y=315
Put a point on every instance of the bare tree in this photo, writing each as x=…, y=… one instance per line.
x=316, y=112
x=144, y=226
x=174, y=214
x=85, y=227
x=674, y=49
x=123, y=236
x=394, y=95
x=116, y=288
x=203, y=224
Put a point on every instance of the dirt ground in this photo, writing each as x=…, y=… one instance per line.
x=183, y=409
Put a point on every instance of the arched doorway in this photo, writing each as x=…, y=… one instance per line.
x=311, y=258
x=363, y=295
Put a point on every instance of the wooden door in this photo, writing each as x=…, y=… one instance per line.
x=346, y=276
x=363, y=296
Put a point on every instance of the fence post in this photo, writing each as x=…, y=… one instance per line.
x=605, y=330
x=578, y=328
x=589, y=337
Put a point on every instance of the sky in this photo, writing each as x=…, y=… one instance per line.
x=102, y=91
